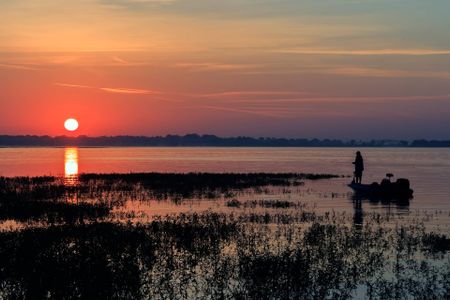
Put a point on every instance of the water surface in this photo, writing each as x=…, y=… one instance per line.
x=171, y=236
x=428, y=169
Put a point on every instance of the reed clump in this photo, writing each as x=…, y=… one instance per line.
x=260, y=249
x=157, y=185
x=220, y=256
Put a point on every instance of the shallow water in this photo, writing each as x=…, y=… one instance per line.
x=160, y=236
x=428, y=169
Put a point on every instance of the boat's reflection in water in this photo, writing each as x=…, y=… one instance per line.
x=71, y=166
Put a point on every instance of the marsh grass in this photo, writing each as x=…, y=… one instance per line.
x=219, y=255
x=53, y=212
x=257, y=249
x=156, y=185
x=49, y=198
x=436, y=242
x=270, y=203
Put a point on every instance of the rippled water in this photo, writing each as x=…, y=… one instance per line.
x=428, y=169
x=186, y=240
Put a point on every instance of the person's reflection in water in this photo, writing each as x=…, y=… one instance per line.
x=71, y=166
x=358, y=212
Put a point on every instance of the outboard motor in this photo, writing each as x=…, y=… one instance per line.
x=402, y=187
x=403, y=184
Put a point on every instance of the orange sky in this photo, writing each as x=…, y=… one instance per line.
x=347, y=69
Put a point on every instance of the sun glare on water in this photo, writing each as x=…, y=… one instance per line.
x=71, y=124
x=70, y=166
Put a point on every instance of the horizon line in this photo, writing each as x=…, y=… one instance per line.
x=225, y=137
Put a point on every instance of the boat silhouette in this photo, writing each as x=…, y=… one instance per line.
x=400, y=189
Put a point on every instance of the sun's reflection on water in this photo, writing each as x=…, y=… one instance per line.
x=71, y=166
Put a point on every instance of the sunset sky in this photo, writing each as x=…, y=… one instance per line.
x=285, y=68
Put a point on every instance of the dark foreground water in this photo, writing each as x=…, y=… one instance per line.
x=277, y=235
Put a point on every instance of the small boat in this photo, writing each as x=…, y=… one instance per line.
x=385, y=189
x=359, y=187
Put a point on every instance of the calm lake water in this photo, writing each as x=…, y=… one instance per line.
x=427, y=169
x=169, y=236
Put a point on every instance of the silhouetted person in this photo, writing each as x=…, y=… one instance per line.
x=359, y=167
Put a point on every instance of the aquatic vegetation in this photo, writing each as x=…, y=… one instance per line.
x=190, y=185
x=263, y=203
x=46, y=199
x=53, y=212
x=89, y=261
x=220, y=256
x=277, y=203
x=233, y=203
x=277, y=248
x=436, y=242
x=49, y=199
x=157, y=185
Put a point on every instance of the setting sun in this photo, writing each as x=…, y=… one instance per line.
x=71, y=124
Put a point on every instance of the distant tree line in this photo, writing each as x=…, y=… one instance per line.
x=195, y=140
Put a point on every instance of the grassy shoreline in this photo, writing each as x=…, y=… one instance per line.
x=255, y=248
x=222, y=256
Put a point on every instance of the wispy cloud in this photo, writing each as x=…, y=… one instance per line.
x=410, y=52
x=280, y=112
x=343, y=99
x=381, y=72
x=383, y=98
x=243, y=94
x=132, y=2
x=208, y=66
x=259, y=112
x=353, y=71
x=73, y=85
x=127, y=91
x=17, y=67
x=120, y=60
x=110, y=89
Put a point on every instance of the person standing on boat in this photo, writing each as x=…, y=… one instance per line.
x=359, y=167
